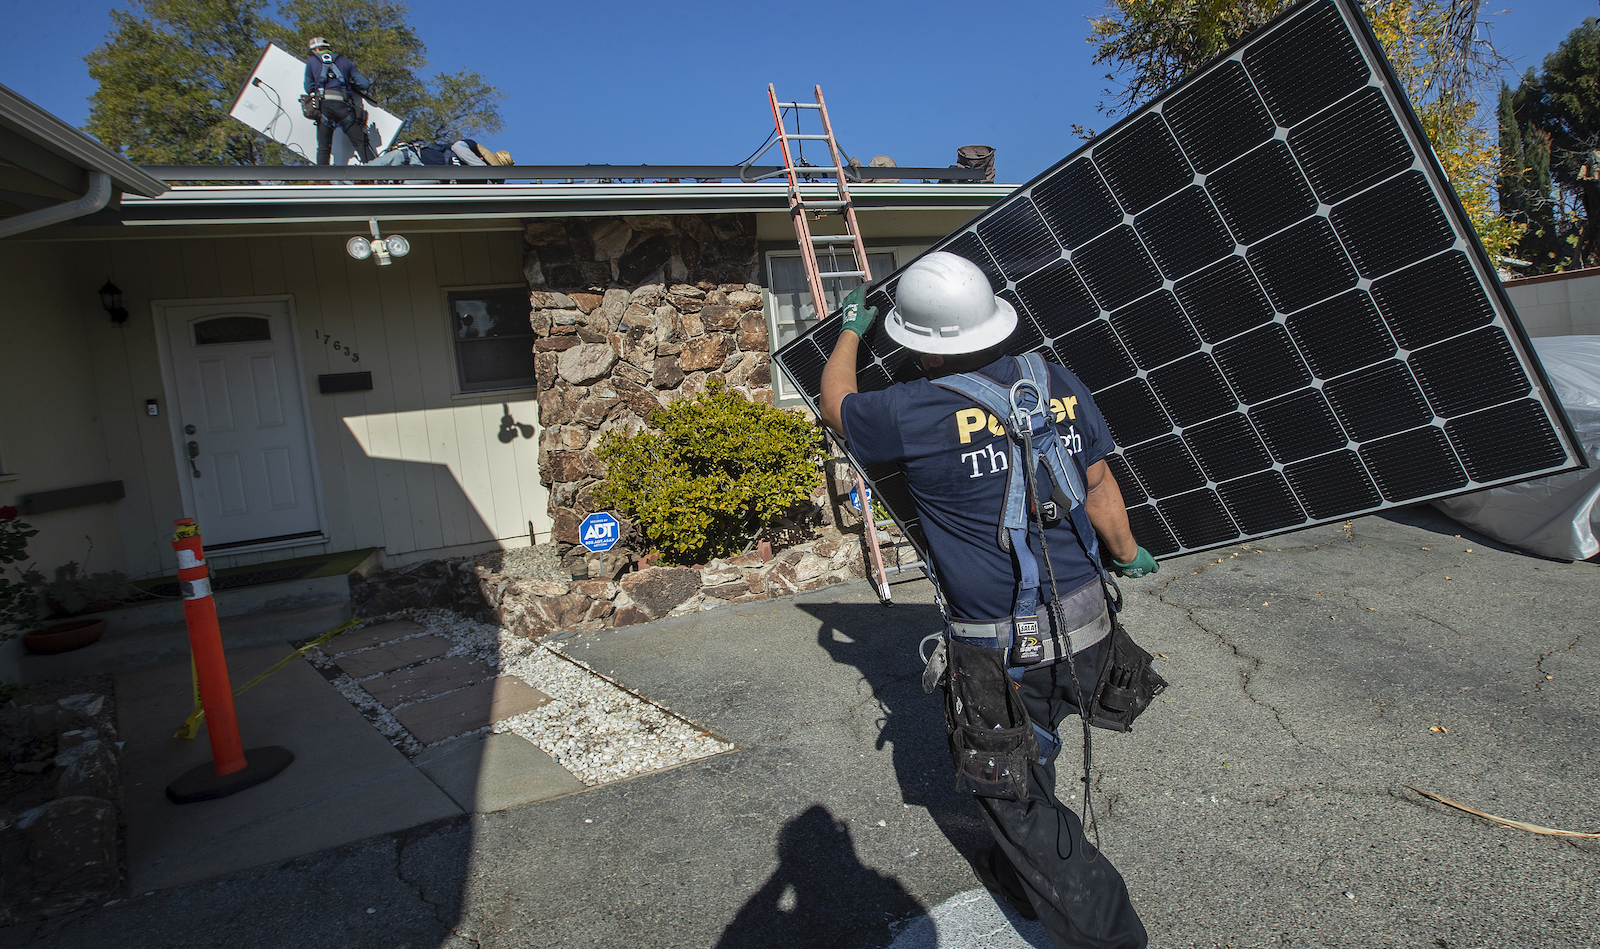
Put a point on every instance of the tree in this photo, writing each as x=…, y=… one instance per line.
x=170, y=70
x=1564, y=103
x=1437, y=48
x=1525, y=183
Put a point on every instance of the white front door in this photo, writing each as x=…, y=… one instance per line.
x=243, y=448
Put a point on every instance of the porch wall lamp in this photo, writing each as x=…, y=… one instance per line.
x=383, y=248
x=111, y=299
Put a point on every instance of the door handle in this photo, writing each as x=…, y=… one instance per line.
x=194, y=452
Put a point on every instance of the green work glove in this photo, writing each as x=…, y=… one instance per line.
x=857, y=315
x=1142, y=564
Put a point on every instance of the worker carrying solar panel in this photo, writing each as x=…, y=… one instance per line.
x=463, y=151
x=334, y=88
x=1011, y=672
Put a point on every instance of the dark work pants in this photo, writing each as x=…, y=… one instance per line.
x=1082, y=903
x=336, y=114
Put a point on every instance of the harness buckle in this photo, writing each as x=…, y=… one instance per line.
x=1027, y=646
x=1022, y=416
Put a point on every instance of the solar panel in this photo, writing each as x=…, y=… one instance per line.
x=1266, y=281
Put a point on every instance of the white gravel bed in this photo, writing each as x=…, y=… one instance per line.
x=591, y=726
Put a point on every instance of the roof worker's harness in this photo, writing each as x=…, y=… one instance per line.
x=992, y=739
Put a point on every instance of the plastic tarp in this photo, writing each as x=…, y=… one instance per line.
x=1554, y=516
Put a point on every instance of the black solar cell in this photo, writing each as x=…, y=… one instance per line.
x=1264, y=282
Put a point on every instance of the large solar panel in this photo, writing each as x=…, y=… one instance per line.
x=1269, y=286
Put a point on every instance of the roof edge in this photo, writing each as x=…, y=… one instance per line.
x=51, y=133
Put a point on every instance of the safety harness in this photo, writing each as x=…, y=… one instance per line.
x=1026, y=407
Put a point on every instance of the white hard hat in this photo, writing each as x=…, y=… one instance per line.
x=943, y=305
x=317, y=43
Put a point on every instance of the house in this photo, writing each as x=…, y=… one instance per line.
x=1558, y=304
x=252, y=374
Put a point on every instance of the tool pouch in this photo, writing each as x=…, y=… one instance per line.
x=992, y=741
x=311, y=106
x=1128, y=681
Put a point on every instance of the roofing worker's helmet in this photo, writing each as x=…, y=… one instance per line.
x=943, y=305
x=318, y=42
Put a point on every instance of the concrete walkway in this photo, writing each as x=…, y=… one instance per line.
x=1262, y=802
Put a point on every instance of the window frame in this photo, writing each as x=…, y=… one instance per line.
x=448, y=296
x=783, y=392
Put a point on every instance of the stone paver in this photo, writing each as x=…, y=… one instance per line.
x=431, y=678
x=370, y=636
x=389, y=658
x=470, y=708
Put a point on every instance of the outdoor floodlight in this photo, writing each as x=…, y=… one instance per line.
x=384, y=248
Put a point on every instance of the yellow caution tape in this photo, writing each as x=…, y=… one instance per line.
x=191, y=725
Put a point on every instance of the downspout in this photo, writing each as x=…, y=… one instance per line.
x=96, y=197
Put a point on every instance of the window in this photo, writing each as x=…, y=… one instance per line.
x=789, y=312
x=232, y=329
x=493, y=339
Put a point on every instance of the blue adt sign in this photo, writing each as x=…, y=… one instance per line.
x=599, y=532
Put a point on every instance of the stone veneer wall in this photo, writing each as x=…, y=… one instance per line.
x=630, y=314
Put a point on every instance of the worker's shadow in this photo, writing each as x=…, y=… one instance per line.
x=818, y=873
x=881, y=644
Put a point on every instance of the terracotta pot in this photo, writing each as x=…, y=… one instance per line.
x=74, y=634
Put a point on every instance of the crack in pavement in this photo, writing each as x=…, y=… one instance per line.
x=1538, y=664
x=1255, y=662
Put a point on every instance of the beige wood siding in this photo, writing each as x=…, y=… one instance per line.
x=409, y=466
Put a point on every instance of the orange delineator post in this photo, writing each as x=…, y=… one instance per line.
x=205, y=641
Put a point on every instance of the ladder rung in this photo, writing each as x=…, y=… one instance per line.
x=799, y=105
x=808, y=137
x=833, y=239
x=842, y=273
x=823, y=204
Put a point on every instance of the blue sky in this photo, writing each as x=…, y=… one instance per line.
x=628, y=82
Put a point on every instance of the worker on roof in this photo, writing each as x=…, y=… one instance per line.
x=463, y=151
x=1012, y=672
x=335, y=87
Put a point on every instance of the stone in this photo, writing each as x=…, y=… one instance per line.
x=542, y=586
x=650, y=223
x=638, y=400
x=667, y=373
x=612, y=306
x=557, y=402
x=720, y=317
x=731, y=590
x=564, y=322
x=368, y=636
x=780, y=579
x=539, y=321
x=610, y=237
x=380, y=659
x=719, y=571
x=587, y=302
x=643, y=258
x=532, y=270
x=88, y=769
x=810, y=566
x=557, y=612
x=647, y=295
x=679, y=327
x=599, y=589
x=546, y=367
x=541, y=231
x=429, y=679
x=630, y=616
x=586, y=363
x=615, y=561
x=636, y=315
x=658, y=590
x=469, y=709
x=596, y=407
x=751, y=334
x=564, y=438
x=716, y=298
x=744, y=299
x=628, y=372
x=571, y=466
x=555, y=344
x=751, y=559
x=564, y=525
x=706, y=353
x=68, y=857
x=550, y=300
x=428, y=583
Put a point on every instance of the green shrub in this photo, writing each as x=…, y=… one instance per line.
x=711, y=472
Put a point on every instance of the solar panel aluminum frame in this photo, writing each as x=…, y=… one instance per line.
x=1138, y=332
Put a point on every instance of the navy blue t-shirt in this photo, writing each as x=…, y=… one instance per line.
x=956, y=459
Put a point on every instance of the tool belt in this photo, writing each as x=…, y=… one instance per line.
x=1085, y=619
x=991, y=739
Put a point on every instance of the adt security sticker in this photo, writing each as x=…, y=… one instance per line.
x=855, y=497
x=599, y=532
